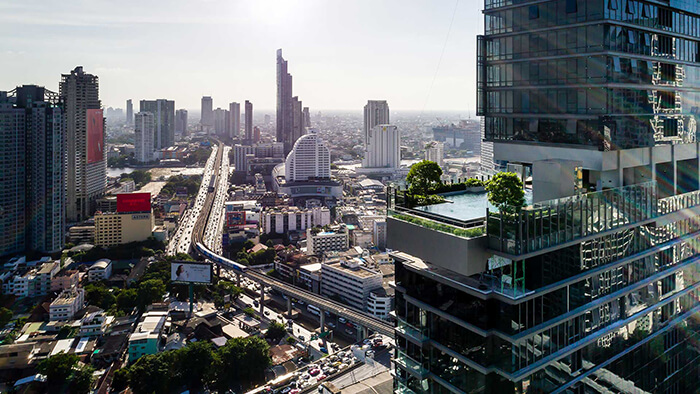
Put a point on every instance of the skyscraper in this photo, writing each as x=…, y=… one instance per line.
x=129, y=112
x=383, y=149
x=309, y=159
x=207, y=119
x=376, y=112
x=181, y=122
x=32, y=124
x=221, y=121
x=235, y=117
x=248, y=122
x=164, y=117
x=307, y=117
x=86, y=175
x=297, y=119
x=285, y=117
x=256, y=134
x=592, y=286
x=144, y=133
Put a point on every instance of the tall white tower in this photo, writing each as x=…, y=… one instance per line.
x=144, y=127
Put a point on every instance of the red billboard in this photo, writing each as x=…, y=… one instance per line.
x=133, y=202
x=235, y=218
x=95, y=136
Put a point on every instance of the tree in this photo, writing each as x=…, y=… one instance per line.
x=505, y=191
x=58, y=369
x=423, y=176
x=194, y=364
x=275, y=331
x=5, y=316
x=127, y=300
x=98, y=294
x=150, y=291
x=81, y=381
x=120, y=380
x=240, y=362
x=249, y=311
x=152, y=373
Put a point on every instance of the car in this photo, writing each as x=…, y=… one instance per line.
x=346, y=360
x=326, y=313
x=321, y=377
x=349, y=325
x=300, y=302
x=320, y=343
x=302, y=338
x=314, y=372
x=323, y=349
x=342, y=366
x=332, y=371
x=286, y=390
x=334, y=346
x=369, y=354
x=341, y=320
x=306, y=376
x=349, y=332
x=331, y=325
x=295, y=391
x=336, y=364
x=267, y=313
x=366, y=341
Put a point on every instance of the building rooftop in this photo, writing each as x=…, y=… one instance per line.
x=351, y=267
x=101, y=264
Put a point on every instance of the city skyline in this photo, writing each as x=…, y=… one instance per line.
x=334, y=66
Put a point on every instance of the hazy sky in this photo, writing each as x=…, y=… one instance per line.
x=340, y=53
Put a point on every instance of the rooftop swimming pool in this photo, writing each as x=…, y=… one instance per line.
x=466, y=206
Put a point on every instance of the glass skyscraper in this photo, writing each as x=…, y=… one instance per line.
x=594, y=287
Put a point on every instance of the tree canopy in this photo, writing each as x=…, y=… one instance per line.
x=505, y=191
x=63, y=375
x=423, y=176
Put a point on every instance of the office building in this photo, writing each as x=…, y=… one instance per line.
x=256, y=134
x=181, y=122
x=285, y=108
x=132, y=222
x=592, y=286
x=435, y=151
x=235, y=119
x=248, y=121
x=86, y=174
x=320, y=241
x=350, y=280
x=164, y=120
x=383, y=149
x=32, y=122
x=297, y=120
x=207, y=119
x=129, y=112
x=307, y=117
x=144, y=132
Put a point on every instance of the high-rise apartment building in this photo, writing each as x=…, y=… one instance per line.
x=86, y=168
x=383, y=149
x=234, y=110
x=164, y=116
x=207, y=119
x=298, y=122
x=285, y=109
x=129, y=112
x=32, y=125
x=222, y=121
x=435, y=151
x=376, y=113
x=256, y=134
x=307, y=117
x=248, y=121
x=144, y=132
x=181, y=122
x=592, y=286
x=309, y=159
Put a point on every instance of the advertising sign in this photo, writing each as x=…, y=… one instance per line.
x=95, y=136
x=235, y=218
x=133, y=202
x=183, y=272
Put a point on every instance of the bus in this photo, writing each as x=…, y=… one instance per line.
x=313, y=310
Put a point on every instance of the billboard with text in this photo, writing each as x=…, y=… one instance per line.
x=133, y=202
x=95, y=136
x=183, y=272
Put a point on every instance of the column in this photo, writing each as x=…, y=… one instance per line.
x=262, y=298
x=238, y=280
x=289, y=307
x=323, y=320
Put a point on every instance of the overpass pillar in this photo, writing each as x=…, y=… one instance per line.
x=238, y=280
x=262, y=298
x=323, y=320
x=289, y=307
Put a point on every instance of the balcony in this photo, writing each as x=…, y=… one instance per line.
x=407, y=330
x=402, y=389
x=410, y=365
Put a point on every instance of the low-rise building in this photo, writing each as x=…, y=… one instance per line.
x=280, y=221
x=101, y=270
x=380, y=302
x=146, y=338
x=67, y=303
x=310, y=277
x=65, y=280
x=319, y=241
x=30, y=279
x=94, y=323
x=349, y=280
x=78, y=235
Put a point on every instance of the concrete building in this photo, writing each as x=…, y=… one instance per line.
x=248, y=122
x=164, y=119
x=380, y=303
x=86, y=175
x=283, y=220
x=310, y=277
x=310, y=159
x=145, y=339
x=222, y=122
x=128, y=224
x=379, y=234
x=144, y=132
x=207, y=119
x=320, y=241
x=94, y=324
x=349, y=280
x=66, y=304
x=376, y=113
x=235, y=119
x=129, y=112
x=285, y=117
x=100, y=270
x=32, y=279
x=181, y=122
x=435, y=151
x=65, y=280
x=307, y=117
x=383, y=148
x=32, y=122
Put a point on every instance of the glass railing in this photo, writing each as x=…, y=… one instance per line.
x=410, y=364
x=411, y=331
x=554, y=222
x=402, y=389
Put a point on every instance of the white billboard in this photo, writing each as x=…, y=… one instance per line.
x=190, y=272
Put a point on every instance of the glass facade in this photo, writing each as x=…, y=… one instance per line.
x=605, y=74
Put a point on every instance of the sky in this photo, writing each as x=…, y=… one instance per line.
x=340, y=53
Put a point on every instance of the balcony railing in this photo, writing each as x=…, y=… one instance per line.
x=420, y=335
x=402, y=389
x=555, y=222
x=410, y=365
